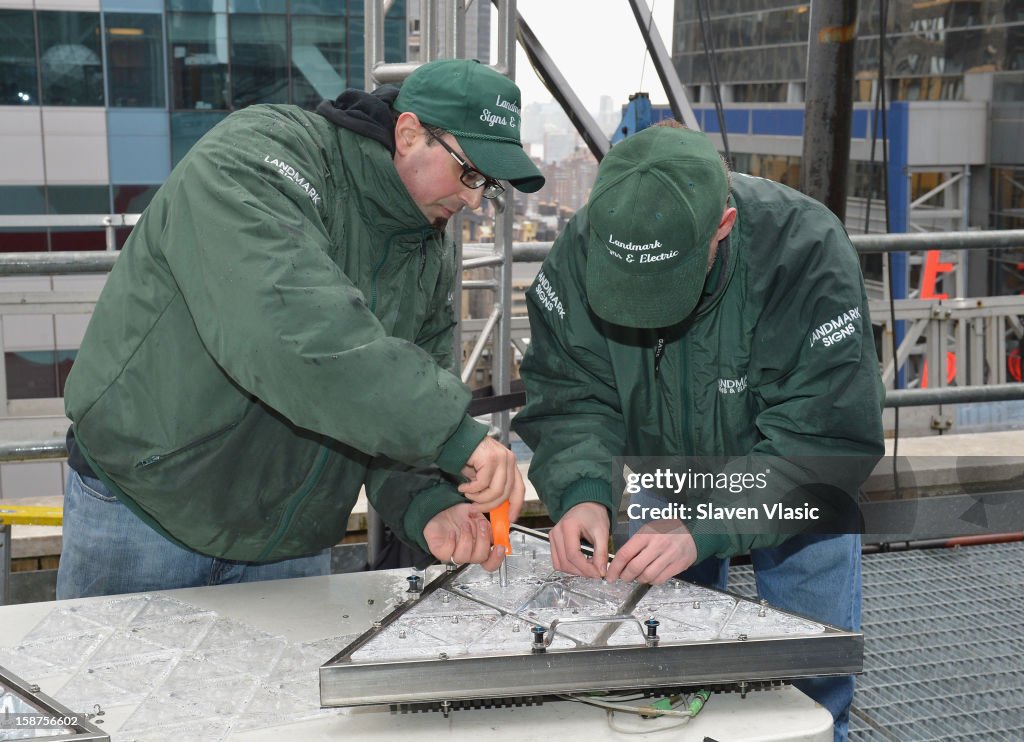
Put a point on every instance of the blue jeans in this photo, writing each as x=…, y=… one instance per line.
x=108, y=550
x=816, y=576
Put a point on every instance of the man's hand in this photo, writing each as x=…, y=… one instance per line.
x=587, y=520
x=659, y=550
x=462, y=535
x=493, y=478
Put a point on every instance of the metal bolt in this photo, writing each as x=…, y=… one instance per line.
x=446, y=597
x=538, y=639
x=415, y=584
x=652, y=625
x=515, y=628
x=763, y=610
x=575, y=611
x=742, y=637
x=455, y=619
x=401, y=633
x=696, y=605
x=443, y=656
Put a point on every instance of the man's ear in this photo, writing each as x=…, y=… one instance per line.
x=407, y=130
x=726, y=224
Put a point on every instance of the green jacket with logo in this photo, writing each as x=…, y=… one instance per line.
x=276, y=333
x=776, y=366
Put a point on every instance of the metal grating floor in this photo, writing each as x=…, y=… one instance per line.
x=943, y=645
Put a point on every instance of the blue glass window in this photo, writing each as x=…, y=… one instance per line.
x=135, y=60
x=19, y=85
x=71, y=62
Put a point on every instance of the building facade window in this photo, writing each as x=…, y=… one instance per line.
x=135, y=60
x=259, y=59
x=70, y=58
x=318, y=59
x=19, y=85
x=198, y=60
x=29, y=200
x=930, y=44
x=37, y=374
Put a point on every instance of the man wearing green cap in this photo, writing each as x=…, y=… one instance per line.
x=719, y=330
x=277, y=335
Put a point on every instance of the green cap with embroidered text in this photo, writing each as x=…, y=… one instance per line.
x=481, y=107
x=655, y=206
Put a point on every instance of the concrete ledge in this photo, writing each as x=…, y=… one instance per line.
x=947, y=464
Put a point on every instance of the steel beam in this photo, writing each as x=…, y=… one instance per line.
x=828, y=111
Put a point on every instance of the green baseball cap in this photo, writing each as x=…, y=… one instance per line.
x=481, y=108
x=654, y=208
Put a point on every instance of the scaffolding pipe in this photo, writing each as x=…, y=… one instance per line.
x=481, y=343
x=483, y=283
x=373, y=54
x=91, y=261
x=991, y=239
x=953, y=395
x=483, y=262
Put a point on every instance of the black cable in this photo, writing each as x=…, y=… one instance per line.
x=712, y=62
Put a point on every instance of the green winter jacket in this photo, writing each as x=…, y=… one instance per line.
x=757, y=371
x=275, y=333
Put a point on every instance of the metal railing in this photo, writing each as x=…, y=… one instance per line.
x=970, y=325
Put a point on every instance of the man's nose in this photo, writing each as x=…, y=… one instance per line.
x=472, y=197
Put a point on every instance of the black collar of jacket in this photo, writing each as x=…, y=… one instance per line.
x=368, y=114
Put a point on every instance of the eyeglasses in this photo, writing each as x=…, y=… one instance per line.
x=471, y=177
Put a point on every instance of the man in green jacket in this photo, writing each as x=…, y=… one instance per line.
x=277, y=335
x=711, y=328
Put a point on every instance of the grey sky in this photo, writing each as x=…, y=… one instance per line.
x=596, y=45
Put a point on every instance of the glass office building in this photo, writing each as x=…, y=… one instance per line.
x=954, y=74
x=100, y=98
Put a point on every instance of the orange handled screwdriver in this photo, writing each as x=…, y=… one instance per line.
x=500, y=535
